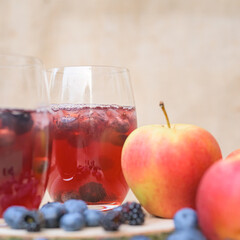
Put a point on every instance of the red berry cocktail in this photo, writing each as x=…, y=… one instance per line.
x=24, y=132
x=87, y=144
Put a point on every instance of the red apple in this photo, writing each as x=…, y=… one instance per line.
x=164, y=164
x=218, y=200
x=234, y=153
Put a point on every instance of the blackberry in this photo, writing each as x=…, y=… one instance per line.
x=92, y=192
x=111, y=221
x=132, y=213
x=119, y=209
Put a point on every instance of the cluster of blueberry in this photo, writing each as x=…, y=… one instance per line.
x=73, y=215
x=186, y=226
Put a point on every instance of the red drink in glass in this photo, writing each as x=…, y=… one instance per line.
x=86, y=152
x=24, y=154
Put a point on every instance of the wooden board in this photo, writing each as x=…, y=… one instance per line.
x=151, y=226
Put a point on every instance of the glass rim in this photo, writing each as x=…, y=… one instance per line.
x=19, y=61
x=112, y=69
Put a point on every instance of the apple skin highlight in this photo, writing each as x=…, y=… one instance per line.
x=163, y=166
x=218, y=200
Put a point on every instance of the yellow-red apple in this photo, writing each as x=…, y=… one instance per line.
x=218, y=199
x=164, y=164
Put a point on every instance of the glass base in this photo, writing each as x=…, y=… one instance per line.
x=104, y=207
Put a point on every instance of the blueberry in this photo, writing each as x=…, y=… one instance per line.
x=60, y=206
x=34, y=221
x=185, y=218
x=140, y=237
x=187, y=234
x=52, y=213
x=92, y=217
x=72, y=221
x=75, y=205
x=17, y=120
x=23, y=122
x=14, y=217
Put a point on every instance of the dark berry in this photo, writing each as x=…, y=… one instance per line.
x=92, y=192
x=52, y=213
x=92, y=217
x=119, y=209
x=23, y=122
x=33, y=227
x=68, y=123
x=120, y=125
x=111, y=221
x=133, y=213
x=14, y=217
x=34, y=221
x=185, y=218
x=7, y=119
x=75, y=205
x=187, y=234
x=72, y=221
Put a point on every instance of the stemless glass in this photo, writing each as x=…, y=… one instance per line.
x=93, y=112
x=24, y=132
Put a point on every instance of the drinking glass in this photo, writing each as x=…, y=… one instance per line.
x=24, y=132
x=92, y=114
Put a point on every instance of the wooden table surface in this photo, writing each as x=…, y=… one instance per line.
x=152, y=226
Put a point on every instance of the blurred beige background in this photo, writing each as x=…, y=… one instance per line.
x=184, y=52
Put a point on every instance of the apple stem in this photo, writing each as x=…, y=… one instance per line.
x=161, y=104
